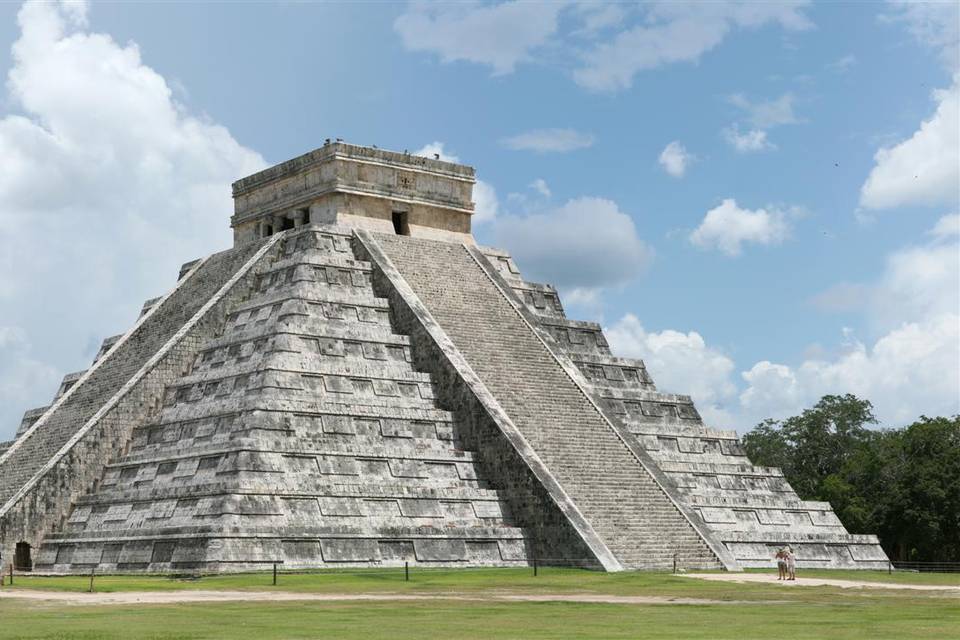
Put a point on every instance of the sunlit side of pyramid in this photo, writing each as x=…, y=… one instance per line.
x=357, y=383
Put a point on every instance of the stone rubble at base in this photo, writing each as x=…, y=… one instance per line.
x=357, y=383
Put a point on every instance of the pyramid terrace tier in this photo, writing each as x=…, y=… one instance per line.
x=606, y=372
x=244, y=552
x=307, y=378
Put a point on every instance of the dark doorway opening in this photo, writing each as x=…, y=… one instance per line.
x=287, y=224
x=400, y=225
x=21, y=557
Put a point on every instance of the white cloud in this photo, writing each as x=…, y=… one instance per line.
x=748, y=141
x=676, y=32
x=486, y=204
x=549, y=141
x=727, y=227
x=540, y=186
x=606, y=44
x=761, y=116
x=598, y=17
x=920, y=281
x=498, y=35
x=766, y=113
x=436, y=150
x=843, y=64
x=947, y=226
x=21, y=374
x=107, y=186
x=675, y=159
x=561, y=246
x=679, y=362
x=912, y=368
x=935, y=25
x=925, y=168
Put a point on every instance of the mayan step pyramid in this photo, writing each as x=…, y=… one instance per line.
x=358, y=383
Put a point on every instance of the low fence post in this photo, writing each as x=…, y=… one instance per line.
x=674, y=563
x=534, y=566
x=11, y=574
x=889, y=567
x=406, y=571
x=93, y=570
x=274, y=574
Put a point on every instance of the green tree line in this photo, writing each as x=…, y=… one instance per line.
x=901, y=484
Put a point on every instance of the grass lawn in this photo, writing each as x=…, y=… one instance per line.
x=770, y=611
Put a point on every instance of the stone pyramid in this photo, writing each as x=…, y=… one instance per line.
x=357, y=383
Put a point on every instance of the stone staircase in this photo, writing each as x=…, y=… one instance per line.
x=752, y=510
x=624, y=504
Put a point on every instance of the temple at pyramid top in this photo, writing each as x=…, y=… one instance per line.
x=358, y=187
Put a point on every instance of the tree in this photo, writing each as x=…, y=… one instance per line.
x=923, y=514
x=901, y=484
x=814, y=445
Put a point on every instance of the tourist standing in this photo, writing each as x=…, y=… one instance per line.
x=781, y=557
x=791, y=564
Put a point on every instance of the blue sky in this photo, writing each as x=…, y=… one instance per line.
x=724, y=186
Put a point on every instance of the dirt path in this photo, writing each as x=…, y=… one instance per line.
x=178, y=597
x=818, y=582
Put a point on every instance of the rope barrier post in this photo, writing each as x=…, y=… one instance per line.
x=674, y=563
x=534, y=566
x=11, y=574
x=406, y=571
x=274, y=574
x=93, y=570
x=889, y=567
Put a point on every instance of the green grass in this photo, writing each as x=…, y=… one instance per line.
x=552, y=580
x=862, y=618
x=756, y=610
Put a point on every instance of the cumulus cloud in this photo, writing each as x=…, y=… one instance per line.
x=675, y=32
x=679, y=362
x=766, y=113
x=549, y=141
x=843, y=64
x=540, y=186
x=499, y=35
x=727, y=227
x=947, y=226
x=909, y=371
x=912, y=368
x=562, y=245
x=923, y=169
x=604, y=45
x=935, y=25
x=747, y=141
x=761, y=116
x=485, y=202
x=675, y=159
x=117, y=183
